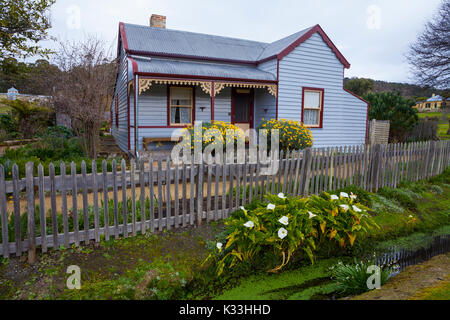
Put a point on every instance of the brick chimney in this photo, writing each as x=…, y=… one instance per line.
x=157, y=21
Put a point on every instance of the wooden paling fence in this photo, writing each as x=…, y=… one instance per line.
x=150, y=196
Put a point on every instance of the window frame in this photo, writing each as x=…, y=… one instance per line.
x=321, y=110
x=169, y=107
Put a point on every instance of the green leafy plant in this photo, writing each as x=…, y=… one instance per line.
x=286, y=225
x=352, y=278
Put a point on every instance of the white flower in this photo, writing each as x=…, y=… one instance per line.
x=284, y=220
x=282, y=233
x=344, y=195
x=271, y=207
x=411, y=216
x=281, y=196
x=334, y=197
x=345, y=207
x=219, y=246
x=243, y=209
x=249, y=224
x=356, y=209
x=353, y=196
x=311, y=215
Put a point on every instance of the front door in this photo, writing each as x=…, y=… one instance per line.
x=242, y=108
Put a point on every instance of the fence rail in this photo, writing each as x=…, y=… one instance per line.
x=152, y=196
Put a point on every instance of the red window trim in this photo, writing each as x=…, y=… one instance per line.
x=169, y=125
x=322, y=91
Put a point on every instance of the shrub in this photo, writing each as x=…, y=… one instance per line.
x=209, y=132
x=352, y=279
x=382, y=204
x=405, y=198
x=287, y=225
x=293, y=134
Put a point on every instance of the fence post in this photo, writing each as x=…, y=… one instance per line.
x=4, y=214
x=30, y=212
x=376, y=162
x=307, y=173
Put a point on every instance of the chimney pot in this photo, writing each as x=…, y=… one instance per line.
x=157, y=21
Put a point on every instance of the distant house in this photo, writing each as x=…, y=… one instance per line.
x=436, y=102
x=167, y=79
x=13, y=94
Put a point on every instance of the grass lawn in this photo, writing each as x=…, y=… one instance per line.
x=443, y=124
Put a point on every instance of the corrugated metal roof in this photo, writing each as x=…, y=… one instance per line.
x=217, y=70
x=175, y=42
x=435, y=98
x=278, y=46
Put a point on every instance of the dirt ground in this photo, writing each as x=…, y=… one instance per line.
x=413, y=281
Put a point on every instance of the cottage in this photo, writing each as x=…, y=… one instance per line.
x=434, y=103
x=167, y=79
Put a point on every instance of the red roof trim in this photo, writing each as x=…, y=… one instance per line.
x=123, y=35
x=134, y=65
x=168, y=55
x=193, y=77
x=308, y=35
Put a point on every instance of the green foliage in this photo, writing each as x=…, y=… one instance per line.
x=395, y=108
x=382, y=204
x=31, y=117
x=404, y=197
x=352, y=278
x=359, y=86
x=23, y=24
x=293, y=134
x=8, y=127
x=363, y=196
x=287, y=225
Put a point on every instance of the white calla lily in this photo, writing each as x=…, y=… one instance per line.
x=284, y=220
x=353, y=196
x=250, y=224
x=271, y=207
x=312, y=215
x=345, y=207
x=334, y=197
x=243, y=209
x=344, y=195
x=219, y=246
x=282, y=233
x=356, y=209
x=281, y=196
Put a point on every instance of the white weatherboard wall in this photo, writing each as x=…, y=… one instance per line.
x=313, y=64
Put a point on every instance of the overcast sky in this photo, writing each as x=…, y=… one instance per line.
x=373, y=35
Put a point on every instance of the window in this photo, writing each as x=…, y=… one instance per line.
x=180, y=106
x=312, y=107
x=428, y=105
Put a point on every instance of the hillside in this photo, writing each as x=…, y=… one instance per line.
x=406, y=89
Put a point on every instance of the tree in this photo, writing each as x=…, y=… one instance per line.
x=31, y=117
x=23, y=23
x=359, y=86
x=395, y=108
x=429, y=56
x=29, y=78
x=84, y=87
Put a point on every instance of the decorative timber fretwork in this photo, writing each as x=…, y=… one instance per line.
x=145, y=84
